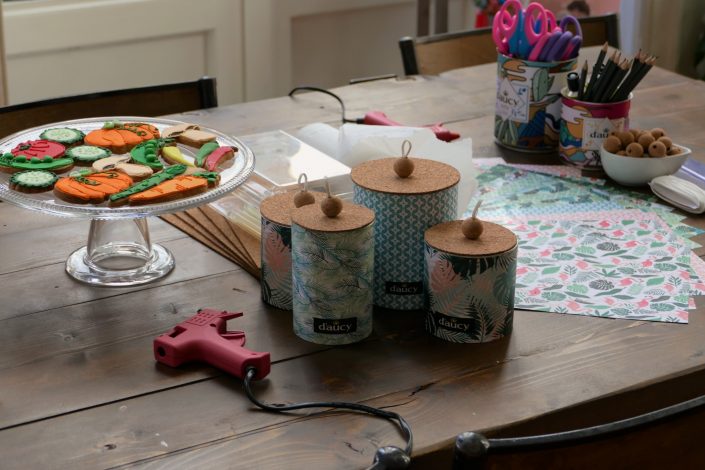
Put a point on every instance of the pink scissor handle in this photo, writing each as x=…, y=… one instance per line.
x=538, y=47
x=552, y=23
x=531, y=20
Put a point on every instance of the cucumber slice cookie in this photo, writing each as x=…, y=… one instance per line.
x=87, y=153
x=33, y=181
x=63, y=135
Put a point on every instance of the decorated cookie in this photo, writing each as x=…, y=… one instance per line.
x=154, y=180
x=117, y=140
x=109, y=163
x=39, y=148
x=144, y=130
x=175, y=131
x=205, y=150
x=33, y=181
x=87, y=154
x=94, y=188
x=10, y=163
x=173, y=155
x=211, y=177
x=63, y=135
x=195, y=138
x=134, y=171
x=177, y=188
x=217, y=157
x=147, y=153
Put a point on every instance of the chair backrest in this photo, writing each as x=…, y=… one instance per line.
x=148, y=101
x=430, y=55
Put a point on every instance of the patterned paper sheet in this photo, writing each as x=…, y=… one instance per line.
x=627, y=269
x=513, y=192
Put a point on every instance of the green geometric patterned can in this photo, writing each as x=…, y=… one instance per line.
x=332, y=269
x=469, y=284
x=404, y=209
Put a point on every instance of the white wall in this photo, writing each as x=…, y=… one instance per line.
x=255, y=48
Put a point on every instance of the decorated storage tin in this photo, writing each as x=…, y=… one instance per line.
x=404, y=209
x=275, y=248
x=528, y=104
x=469, y=284
x=333, y=260
x=585, y=125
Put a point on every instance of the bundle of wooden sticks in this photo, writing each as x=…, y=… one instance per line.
x=614, y=80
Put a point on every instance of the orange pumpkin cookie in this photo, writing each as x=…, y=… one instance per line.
x=117, y=140
x=177, y=188
x=150, y=132
x=91, y=189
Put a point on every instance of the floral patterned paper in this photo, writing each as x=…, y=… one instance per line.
x=628, y=269
x=276, y=264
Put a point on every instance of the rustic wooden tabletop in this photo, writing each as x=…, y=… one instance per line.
x=79, y=387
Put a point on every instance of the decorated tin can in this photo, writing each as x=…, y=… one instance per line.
x=528, y=106
x=404, y=209
x=275, y=248
x=469, y=284
x=332, y=263
x=585, y=125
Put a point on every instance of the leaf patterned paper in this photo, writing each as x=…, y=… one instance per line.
x=628, y=269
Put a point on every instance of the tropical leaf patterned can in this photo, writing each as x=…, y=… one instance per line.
x=333, y=268
x=275, y=248
x=404, y=209
x=469, y=284
x=528, y=104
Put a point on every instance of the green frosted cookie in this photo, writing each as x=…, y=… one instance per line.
x=63, y=135
x=33, y=181
x=87, y=153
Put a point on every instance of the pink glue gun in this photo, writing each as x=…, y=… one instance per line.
x=378, y=118
x=204, y=338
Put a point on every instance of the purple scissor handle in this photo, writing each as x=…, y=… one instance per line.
x=552, y=38
x=558, y=47
x=568, y=20
x=572, y=48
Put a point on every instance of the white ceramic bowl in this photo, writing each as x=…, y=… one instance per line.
x=638, y=171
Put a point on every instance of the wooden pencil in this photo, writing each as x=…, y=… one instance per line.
x=596, y=69
x=604, y=79
x=644, y=68
x=624, y=88
x=583, y=77
x=616, y=80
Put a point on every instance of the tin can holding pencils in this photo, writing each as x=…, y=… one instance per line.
x=584, y=125
x=528, y=107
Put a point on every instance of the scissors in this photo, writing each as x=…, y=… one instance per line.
x=561, y=43
x=508, y=28
x=537, y=22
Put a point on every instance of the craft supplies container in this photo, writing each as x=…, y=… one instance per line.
x=332, y=263
x=528, y=107
x=275, y=248
x=404, y=209
x=585, y=125
x=469, y=284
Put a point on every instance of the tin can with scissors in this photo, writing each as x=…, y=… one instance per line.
x=535, y=54
x=528, y=106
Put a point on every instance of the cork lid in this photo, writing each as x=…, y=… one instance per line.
x=352, y=217
x=449, y=237
x=428, y=176
x=278, y=208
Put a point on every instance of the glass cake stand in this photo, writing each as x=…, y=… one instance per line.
x=119, y=251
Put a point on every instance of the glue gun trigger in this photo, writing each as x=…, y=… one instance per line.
x=234, y=335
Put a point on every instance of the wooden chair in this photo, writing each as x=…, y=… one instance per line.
x=148, y=101
x=656, y=439
x=431, y=55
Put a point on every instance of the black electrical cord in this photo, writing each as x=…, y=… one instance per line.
x=329, y=93
x=279, y=408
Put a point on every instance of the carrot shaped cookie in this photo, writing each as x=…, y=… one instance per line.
x=177, y=188
x=154, y=180
x=91, y=189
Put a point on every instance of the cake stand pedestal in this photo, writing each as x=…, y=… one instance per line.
x=119, y=251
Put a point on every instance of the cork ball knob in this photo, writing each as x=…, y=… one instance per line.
x=303, y=198
x=635, y=132
x=625, y=137
x=472, y=227
x=403, y=166
x=331, y=206
x=666, y=141
x=657, y=149
x=612, y=144
x=657, y=132
x=645, y=139
x=635, y=150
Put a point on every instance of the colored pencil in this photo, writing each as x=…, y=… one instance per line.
x=583, y=77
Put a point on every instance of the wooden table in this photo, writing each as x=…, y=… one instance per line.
x=79, y=387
